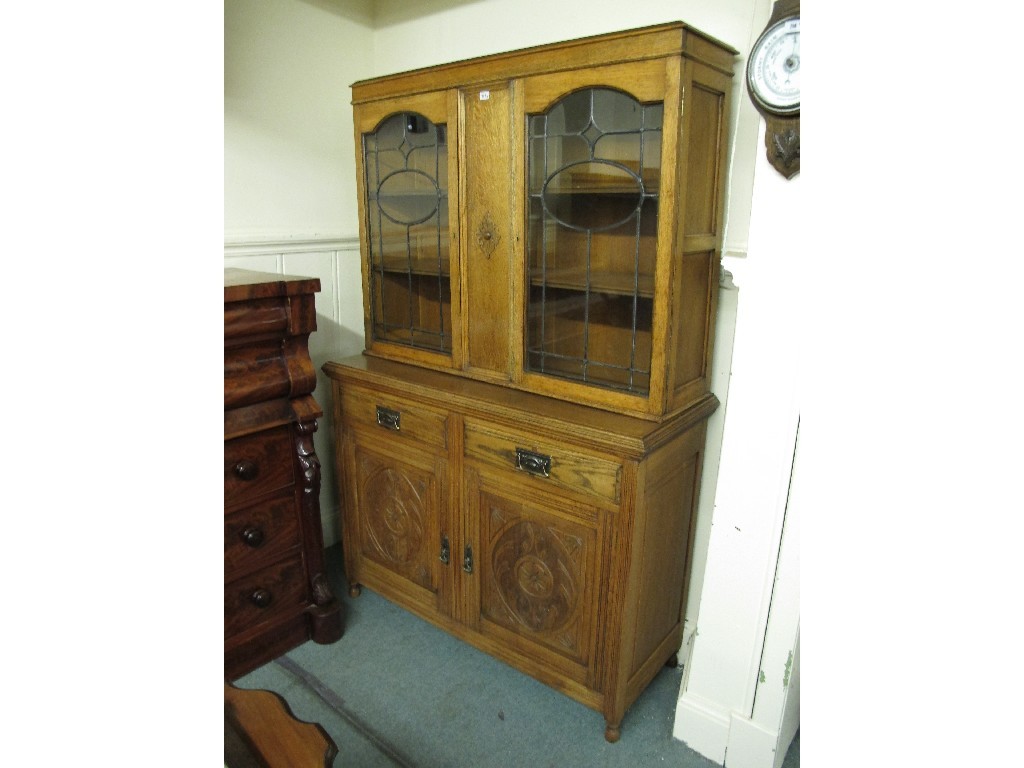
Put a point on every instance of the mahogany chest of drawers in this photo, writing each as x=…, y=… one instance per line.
x=276, y=593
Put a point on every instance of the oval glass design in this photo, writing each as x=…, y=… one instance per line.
x=408, y=197
x=593, y=195
x=593, y=175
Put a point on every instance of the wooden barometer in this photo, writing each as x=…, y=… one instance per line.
x=773, y=82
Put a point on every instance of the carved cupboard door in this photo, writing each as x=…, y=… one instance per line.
x=397, y=499
x=539, y=569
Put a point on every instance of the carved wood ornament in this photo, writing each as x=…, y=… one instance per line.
x=486, y=237
x=782, y=143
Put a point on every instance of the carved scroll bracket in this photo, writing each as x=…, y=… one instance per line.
x=310, y=465
x=782, y=143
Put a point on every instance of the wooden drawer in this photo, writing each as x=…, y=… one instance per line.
x=549, y=462
x=255, y=372
x=272, y=592
x=257, y=464
x=396, y=416
x=256, y=317
x=265, y=530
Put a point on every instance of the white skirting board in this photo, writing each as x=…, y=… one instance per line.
x=729, y=739
x=703, y=727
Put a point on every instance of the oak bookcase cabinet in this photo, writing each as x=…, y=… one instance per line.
x=520, y=445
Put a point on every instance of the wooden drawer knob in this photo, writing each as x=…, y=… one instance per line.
x=252, y=536
x=246, y=470
x=261, y=598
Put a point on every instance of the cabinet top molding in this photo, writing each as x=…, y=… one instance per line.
x=662, y=40
x=246, y=285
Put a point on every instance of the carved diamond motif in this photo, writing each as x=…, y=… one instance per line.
x=536, y=577
x=486, y=237
x=395, y=527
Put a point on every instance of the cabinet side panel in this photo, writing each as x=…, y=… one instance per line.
x=699, y=279
x=662, y=552
x=488, y=237
x=706, y=105
x=706, y=109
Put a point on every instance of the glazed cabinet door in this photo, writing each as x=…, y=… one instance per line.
x=408, y=194
x=600, y=195
x=538, y=567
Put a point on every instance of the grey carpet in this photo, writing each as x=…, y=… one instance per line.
x=395, y=691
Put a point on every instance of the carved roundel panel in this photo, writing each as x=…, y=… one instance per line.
x=394, y=522
x=534, y=574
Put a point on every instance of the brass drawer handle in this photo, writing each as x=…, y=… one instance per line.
x=246, y=470
x=467, y=560
x=534, y=463
x=446, y=551
x=261, y=598
x=388, y=418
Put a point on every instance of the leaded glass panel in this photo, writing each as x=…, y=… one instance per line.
x=593, y=173
x=406, y=168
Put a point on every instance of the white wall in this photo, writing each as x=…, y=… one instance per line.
x=290, y=207
x=289, y=169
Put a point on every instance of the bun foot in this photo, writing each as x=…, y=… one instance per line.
x=354, y=590
x=612, y=733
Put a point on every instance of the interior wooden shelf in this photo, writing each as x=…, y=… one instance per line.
x=425, y=266
x=413, y=194
x=606, y=192
x=598, y=183
x=575, y=279
x=417, y=337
